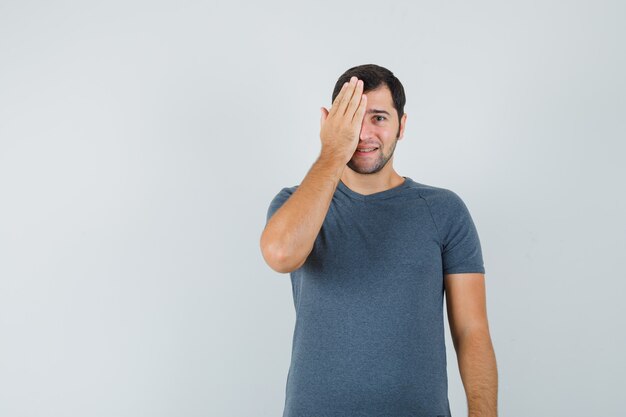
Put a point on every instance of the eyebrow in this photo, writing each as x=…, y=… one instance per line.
x=375, y=111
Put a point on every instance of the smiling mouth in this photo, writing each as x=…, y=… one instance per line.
x=365, y=152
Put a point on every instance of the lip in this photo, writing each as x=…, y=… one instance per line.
x=359, y=153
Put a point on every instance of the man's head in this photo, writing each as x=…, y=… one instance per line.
x=373, y=77
x=382, y=126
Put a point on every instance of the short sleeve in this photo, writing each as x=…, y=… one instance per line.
x=461, y=250
x=280, y=198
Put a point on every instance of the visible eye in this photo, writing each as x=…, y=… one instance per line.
x=380, y=118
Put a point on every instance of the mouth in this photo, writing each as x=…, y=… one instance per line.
x=365, y=151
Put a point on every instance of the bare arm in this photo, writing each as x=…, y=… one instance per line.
x=467, y=314
x=290, y=234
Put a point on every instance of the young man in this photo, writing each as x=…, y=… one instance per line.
x=371, y=254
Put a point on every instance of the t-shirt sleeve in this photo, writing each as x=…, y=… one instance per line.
x=280, y=198
x=461, y=250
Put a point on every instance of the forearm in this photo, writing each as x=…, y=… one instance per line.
x=289, y=235
x=477, y=366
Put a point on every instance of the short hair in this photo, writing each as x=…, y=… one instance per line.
x=375, y=76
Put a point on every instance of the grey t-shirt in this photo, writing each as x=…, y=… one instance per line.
x=369, y=332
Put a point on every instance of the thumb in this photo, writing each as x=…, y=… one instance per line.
x=324, y=115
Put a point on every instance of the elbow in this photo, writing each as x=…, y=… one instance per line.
x=280, y=263
x=277, y=259
x=471, y=336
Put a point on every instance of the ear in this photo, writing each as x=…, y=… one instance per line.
x=402, y=125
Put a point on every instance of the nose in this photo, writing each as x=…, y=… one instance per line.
x=366, y=131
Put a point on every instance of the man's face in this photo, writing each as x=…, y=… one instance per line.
x=379, y=130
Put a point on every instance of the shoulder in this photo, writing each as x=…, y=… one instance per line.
x=285, y=192
x=447, y=209
x=439, y=198
x=290, y=190
x=279, y=199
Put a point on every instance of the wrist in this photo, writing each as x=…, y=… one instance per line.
x=332, y=158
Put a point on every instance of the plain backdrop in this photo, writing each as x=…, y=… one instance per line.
x=141, y=143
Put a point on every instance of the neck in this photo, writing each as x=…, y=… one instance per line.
x=371, y=183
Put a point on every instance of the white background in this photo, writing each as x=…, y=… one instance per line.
x=141, y=143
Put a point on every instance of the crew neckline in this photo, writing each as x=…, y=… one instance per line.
x=375, y=196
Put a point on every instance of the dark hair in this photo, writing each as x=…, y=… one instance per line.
x=374, y=76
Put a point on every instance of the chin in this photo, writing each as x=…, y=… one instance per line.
x=369, y=169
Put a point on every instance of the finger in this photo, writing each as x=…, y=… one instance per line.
x=347, y=96
x=356, y=99
x=335, y=105
x=360, y=111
